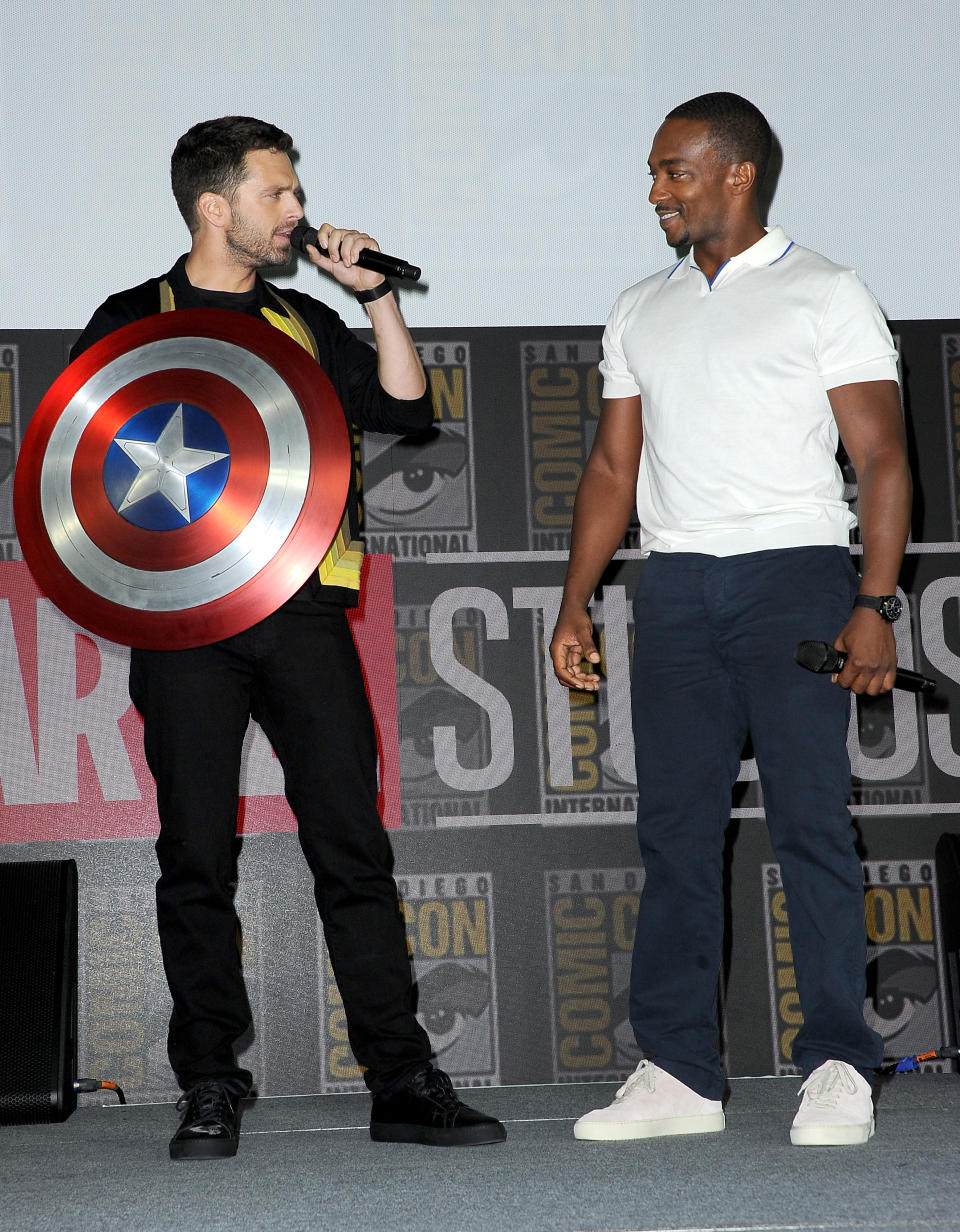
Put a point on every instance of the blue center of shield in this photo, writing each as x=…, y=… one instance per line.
x=166, y=466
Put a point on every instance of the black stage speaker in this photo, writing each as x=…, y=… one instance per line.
x=948, y=887
x=38, y=991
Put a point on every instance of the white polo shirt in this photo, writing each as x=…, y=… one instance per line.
x=739, y=439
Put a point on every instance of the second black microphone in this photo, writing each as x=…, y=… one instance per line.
x=380, y=262
x=819, y=657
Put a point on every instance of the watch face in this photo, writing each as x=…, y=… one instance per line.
x=890, y=608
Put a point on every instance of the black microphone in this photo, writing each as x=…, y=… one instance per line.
x=819, y=657
x=369, y=258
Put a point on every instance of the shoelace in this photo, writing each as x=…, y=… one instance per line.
x=644, y=1075
x=438, y=1087
x=206, y=1104
x=824, y=1089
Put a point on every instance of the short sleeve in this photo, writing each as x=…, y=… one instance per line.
x=853, y=340
x=618, y=380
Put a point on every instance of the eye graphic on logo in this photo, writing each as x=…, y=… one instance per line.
x=609, y=759
x=901, y=988
x=450, y=995
x=435, y=707
x=876, y=725
x=409, y=477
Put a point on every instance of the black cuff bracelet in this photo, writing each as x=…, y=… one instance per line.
x=367, y=297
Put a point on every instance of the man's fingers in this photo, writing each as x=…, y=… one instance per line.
x=568, y=654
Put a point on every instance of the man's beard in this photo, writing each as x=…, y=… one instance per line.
x=254, y=250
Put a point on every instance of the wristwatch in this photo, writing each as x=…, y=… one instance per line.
x=889, y=606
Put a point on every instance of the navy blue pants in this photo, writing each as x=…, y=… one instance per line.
x=714, y=642
x=298, y=675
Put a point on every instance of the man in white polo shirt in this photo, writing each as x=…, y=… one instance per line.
x=728, y=379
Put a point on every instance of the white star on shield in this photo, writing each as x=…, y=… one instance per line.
x=164, y=465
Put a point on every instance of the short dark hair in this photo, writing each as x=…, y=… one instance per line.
x=211, y=157
x=739, y=131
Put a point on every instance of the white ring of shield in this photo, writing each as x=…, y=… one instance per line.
x=174, y=590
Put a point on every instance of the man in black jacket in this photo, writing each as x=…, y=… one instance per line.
x=296, y=673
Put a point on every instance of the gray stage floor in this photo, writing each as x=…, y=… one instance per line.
x=308, y=1163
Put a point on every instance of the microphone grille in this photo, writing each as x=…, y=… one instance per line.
x=814, y=656
x=302, y=235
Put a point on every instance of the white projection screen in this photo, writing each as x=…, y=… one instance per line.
x=501, y=146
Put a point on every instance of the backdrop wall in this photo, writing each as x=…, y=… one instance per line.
x=510, y=804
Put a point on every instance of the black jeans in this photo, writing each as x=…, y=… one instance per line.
x=298, y=675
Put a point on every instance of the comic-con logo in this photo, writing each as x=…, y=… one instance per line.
x=426, y=702
x=591, y=920
x=587, y=761
x=419, y=492
x=123, y=1001
x=450, y=938
x=905, y=1003
x=562, y=398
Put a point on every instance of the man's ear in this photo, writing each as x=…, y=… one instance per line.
x=214, y=210
x=743, y=177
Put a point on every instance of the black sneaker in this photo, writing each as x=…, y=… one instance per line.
x=210, y=1128
x=426, y=1109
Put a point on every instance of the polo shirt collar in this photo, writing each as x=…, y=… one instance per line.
x=766, y=251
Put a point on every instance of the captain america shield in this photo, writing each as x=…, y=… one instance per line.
x=182, y=478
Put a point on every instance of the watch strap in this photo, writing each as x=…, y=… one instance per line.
x=377, y=292
x=888, y=606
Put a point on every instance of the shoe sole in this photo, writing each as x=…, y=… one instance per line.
x=831, y=1135
x=625, y=1131
x=199, y=1148
x=424, y=1135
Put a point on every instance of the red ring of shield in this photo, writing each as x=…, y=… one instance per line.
x=305, y=545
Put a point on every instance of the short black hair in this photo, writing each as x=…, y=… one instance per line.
x=211, y=157
x=739, y=131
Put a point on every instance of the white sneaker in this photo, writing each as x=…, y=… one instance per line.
x=651, y=1104
x=836, y=1109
